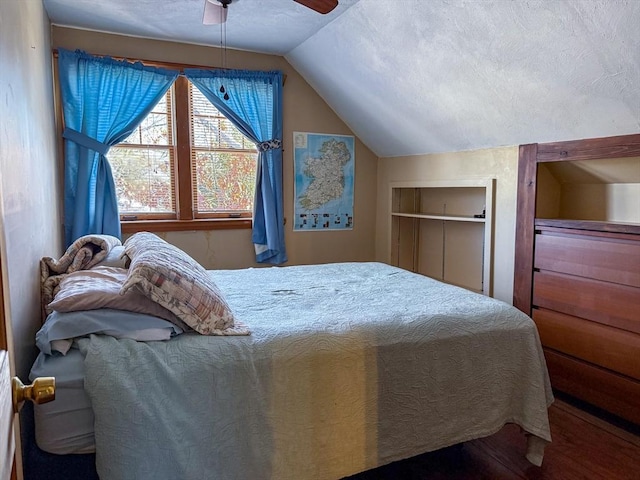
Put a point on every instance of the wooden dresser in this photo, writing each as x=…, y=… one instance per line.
x=580, y=282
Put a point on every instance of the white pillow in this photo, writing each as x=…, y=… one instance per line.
x=60, y=329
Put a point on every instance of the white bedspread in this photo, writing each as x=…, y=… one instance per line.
x=349, y=366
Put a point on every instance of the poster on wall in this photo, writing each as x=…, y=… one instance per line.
x=324, y=167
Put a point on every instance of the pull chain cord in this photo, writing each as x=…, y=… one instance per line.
x=223, y=51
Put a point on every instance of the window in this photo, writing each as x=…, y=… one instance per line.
x=223, y=160
x=144, y=165
x=185, y=163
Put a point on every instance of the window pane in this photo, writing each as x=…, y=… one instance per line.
x=212, y=132
x=163, y=105
x=224, y=160
x=143, y=179
x=154, y=130
x=211, y=129
x=224, y=180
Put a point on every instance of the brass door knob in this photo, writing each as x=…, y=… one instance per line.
x=42, y=390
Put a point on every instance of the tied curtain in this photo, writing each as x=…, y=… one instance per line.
x=103, y=102
x=254, y=106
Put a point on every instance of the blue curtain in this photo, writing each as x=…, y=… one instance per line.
x=103, y=101
x=254, y=106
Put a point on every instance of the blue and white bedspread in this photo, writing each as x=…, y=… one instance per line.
x=348, y=367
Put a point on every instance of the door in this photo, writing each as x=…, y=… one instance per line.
x=7, y=447
x=12, y=395
x=8, y=465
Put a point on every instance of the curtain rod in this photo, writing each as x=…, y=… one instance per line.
x=156, y=63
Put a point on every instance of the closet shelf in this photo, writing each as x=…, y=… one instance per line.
x=435, y=230
x=433, y=216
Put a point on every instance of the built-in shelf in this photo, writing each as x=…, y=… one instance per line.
x=451, y=218
x=443, y=229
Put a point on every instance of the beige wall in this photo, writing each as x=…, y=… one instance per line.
x=30, y=183
x=498, y=163
x=615, y=202
x=304, y=111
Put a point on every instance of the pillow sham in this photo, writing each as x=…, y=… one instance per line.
x=171, y=278
x=100, y=287
x=60, y=328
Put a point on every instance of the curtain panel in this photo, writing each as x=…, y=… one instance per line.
x=252, y=101
x=103, y=102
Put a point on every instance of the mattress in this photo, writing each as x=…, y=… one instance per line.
x=64, y=426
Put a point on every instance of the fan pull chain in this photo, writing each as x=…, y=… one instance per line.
x=223, y=51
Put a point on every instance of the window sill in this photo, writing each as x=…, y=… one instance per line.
x=134, y=226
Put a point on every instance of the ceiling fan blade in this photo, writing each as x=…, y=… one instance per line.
x=320, y=6
x=214, y=13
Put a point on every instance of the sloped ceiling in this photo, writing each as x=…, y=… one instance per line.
x=607, y=171
x=414, y=76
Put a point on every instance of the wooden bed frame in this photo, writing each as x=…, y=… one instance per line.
x=586, y=305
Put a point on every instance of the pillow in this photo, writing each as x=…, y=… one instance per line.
x=100, y=287
x=173, y=279
x=60, y=328
x=115, y=258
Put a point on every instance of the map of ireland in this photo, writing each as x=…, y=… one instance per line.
x=324, y=178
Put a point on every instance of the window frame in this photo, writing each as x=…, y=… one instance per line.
x=185, y=217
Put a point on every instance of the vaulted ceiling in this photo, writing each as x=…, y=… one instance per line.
x=416, y=76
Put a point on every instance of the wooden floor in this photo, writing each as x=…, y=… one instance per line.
x=584, y=447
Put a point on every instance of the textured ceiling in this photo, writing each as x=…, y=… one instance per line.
x=265, y=26
x=416, y=76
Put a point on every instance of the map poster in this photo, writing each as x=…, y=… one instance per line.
x=323, y=181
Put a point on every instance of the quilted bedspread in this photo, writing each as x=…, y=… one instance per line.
x=348, y=367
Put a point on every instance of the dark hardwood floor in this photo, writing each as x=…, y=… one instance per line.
x=585, y=446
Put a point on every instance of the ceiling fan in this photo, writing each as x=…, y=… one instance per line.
x=215, y=11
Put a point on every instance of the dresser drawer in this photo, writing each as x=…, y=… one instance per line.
x=609, y=347
x=613, y=260
x=607, y=303
x=615, y=393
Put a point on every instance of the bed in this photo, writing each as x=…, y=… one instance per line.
x=332, y=370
